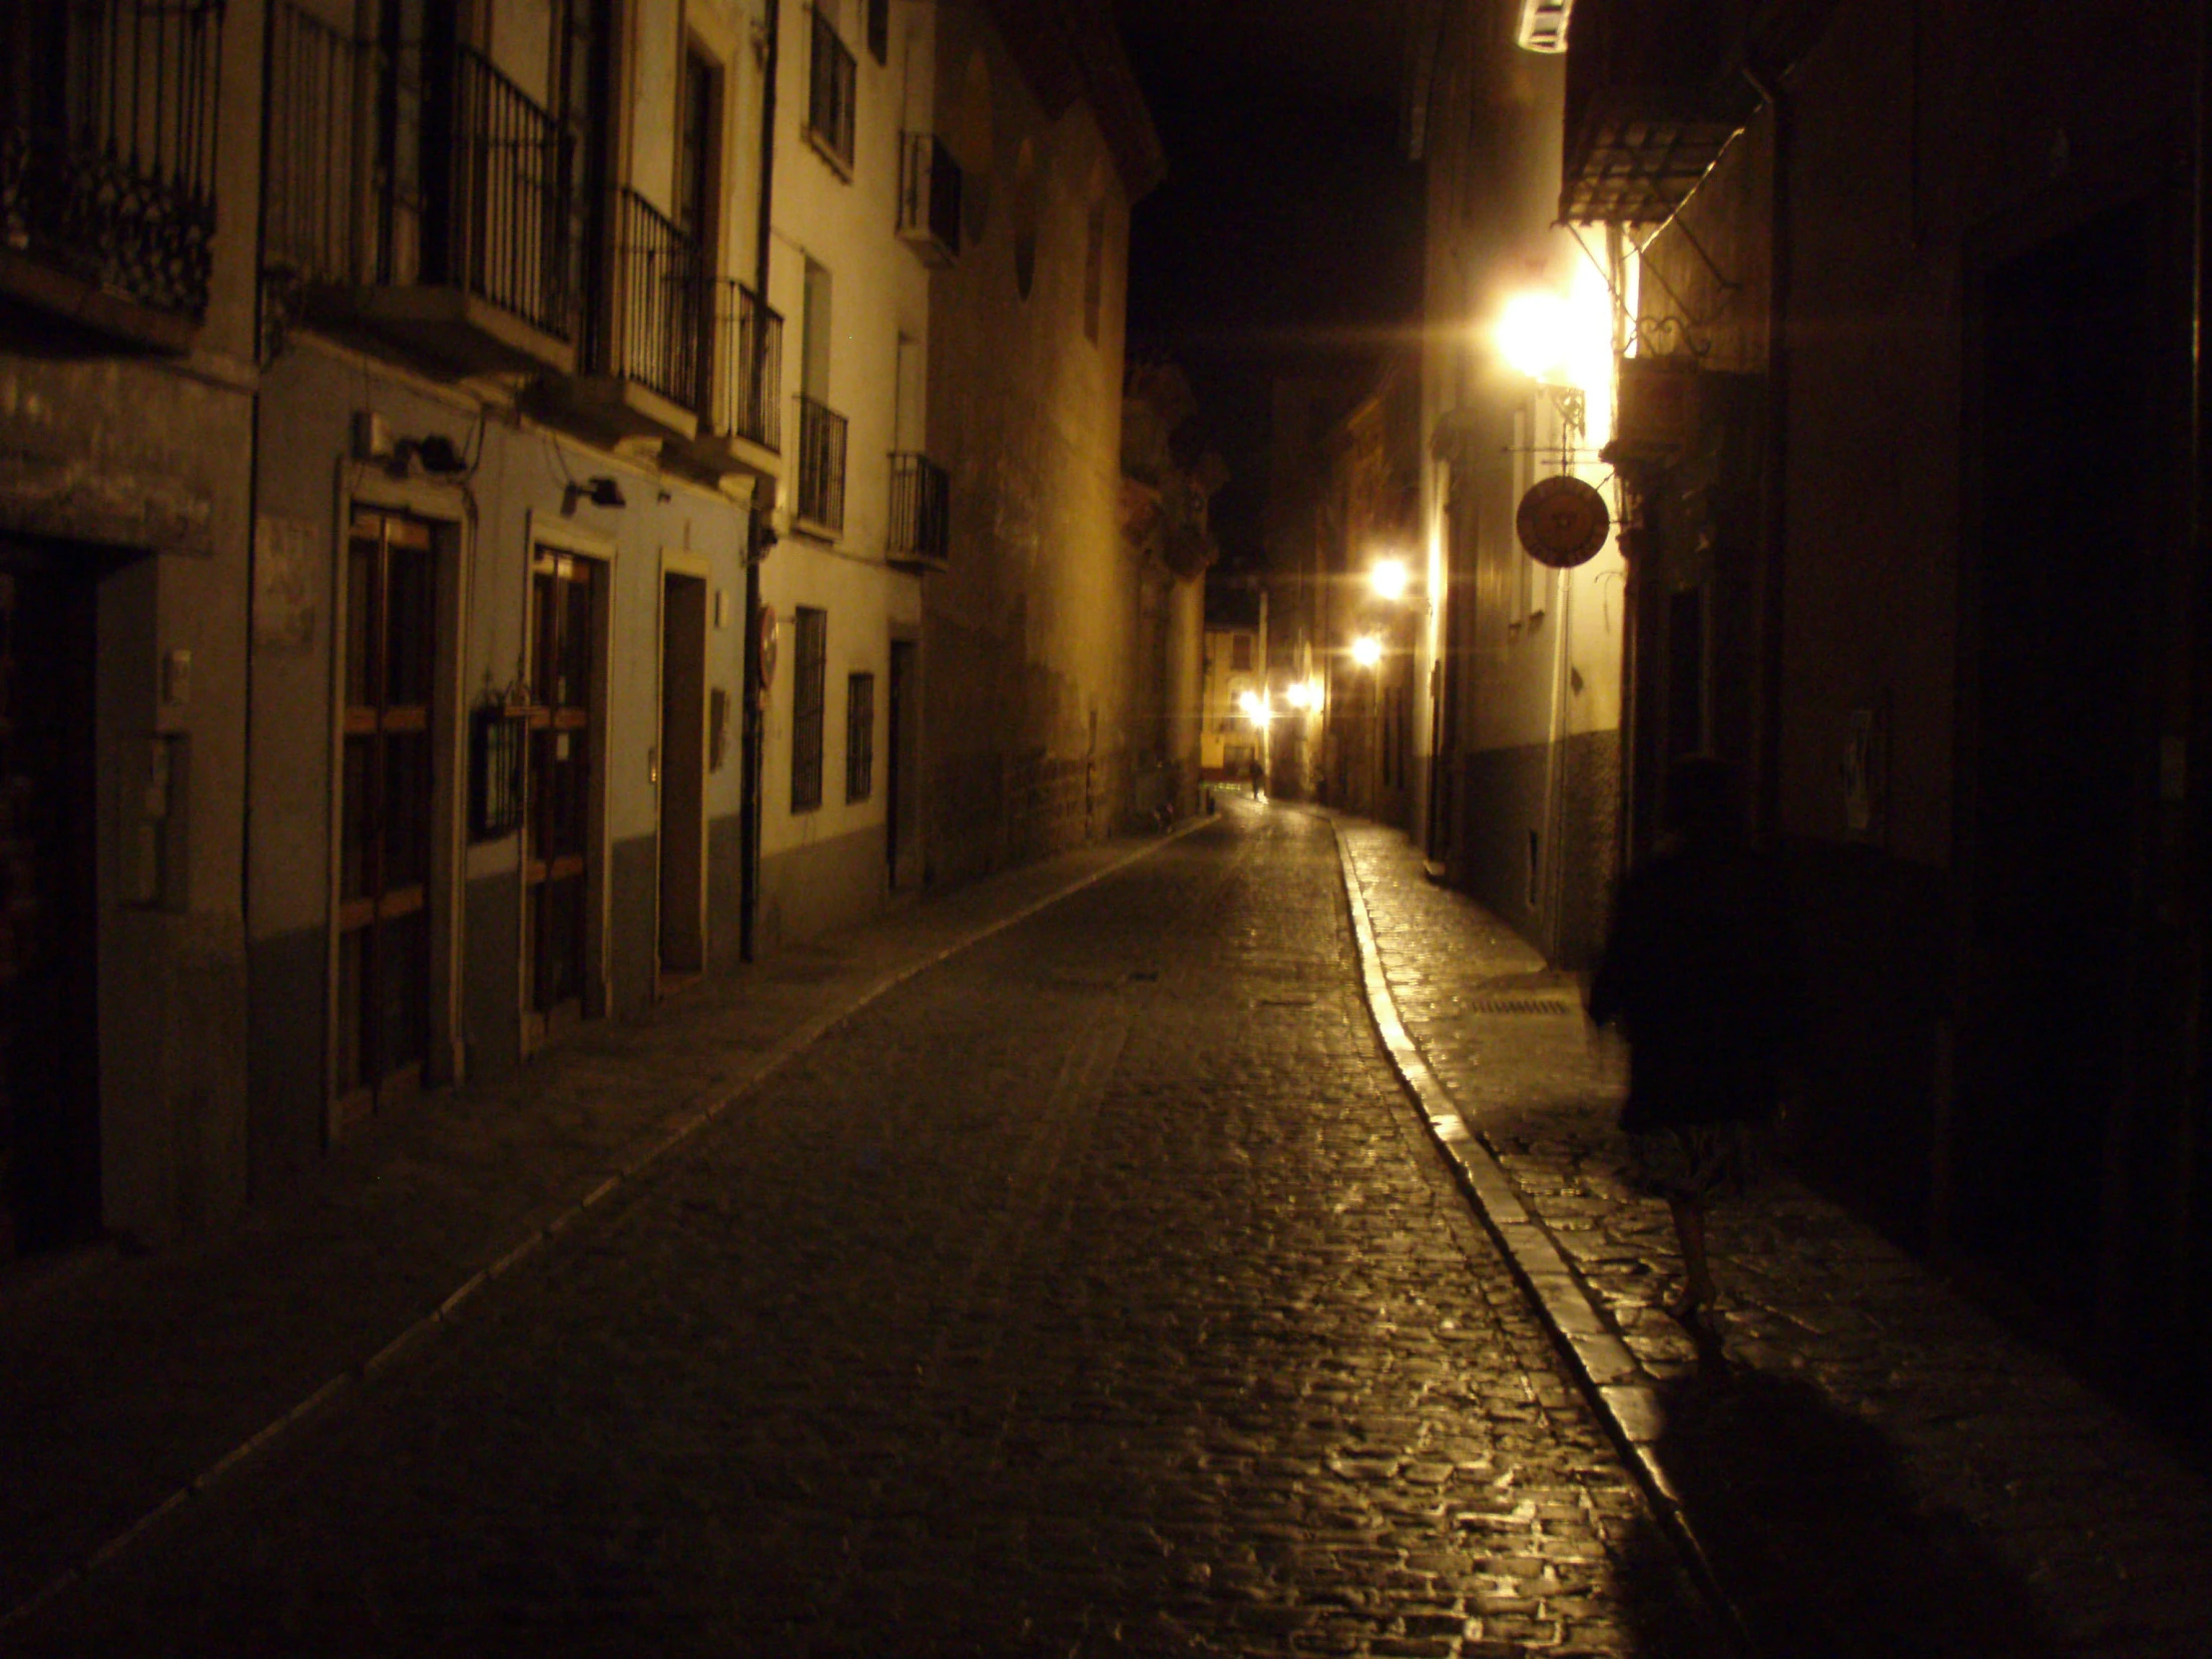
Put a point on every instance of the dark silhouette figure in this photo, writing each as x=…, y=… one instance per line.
x=1699, y=971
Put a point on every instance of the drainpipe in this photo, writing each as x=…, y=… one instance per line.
x=753, y=726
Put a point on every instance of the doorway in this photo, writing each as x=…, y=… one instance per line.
x=562, y=860
x=683, y=814
x=49, y=1100
x=385, y=819
x=903, y=758
x=2069, y=501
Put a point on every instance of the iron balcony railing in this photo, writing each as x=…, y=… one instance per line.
x=921, y=501
x=660, y=303
x=746, y=391
x=832, y=77
x=501, y=227
x=406, y=165
x=930, y=190
x=108, y=112
x=821, y=464
x=312, y=196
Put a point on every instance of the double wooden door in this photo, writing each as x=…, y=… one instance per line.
x=383, y=1034
x=560, y=855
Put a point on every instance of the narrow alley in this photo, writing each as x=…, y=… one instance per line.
x=1065, y=1270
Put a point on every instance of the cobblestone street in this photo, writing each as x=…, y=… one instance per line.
x=1095, y=1290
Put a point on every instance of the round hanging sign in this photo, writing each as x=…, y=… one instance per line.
x=1562, y=522
x=768, y=645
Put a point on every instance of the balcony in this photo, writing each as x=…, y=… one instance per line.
x=421, y=196
x=820, y=506
x=1654, y=95
x=740, y=423
x=108, y=116
x=921, y=511
x=645, y=357
x=831, y=79
x=929, y=198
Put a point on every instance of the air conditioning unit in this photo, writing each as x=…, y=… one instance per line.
x=1543, y=25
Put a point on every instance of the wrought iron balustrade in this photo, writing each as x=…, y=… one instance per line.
x=108, y=115
x=659, y=302
x=930, y=192
x=312, y=183
x=417, y=165
x=921, y=502
x=502, y=227
x=821, y=464
x=832, y=78
x=746, y=394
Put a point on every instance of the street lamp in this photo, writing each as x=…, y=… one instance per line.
x=1366, y=650
x=1389, y=579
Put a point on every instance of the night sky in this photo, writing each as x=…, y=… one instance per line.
x=1286, y=238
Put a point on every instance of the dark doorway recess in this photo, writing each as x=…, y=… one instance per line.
x=2070, y=491
x=49, y=1097
x=901, y=758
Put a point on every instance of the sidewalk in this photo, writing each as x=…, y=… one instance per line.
x=130, y=1386
x=1866, y=1461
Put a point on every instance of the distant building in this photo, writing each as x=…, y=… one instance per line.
x=1235, y=709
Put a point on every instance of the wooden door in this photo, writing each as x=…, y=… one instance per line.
x=560, y=850
x=383, y=1034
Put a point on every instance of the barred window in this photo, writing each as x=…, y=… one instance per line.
x=860, y=736
x=809, y=672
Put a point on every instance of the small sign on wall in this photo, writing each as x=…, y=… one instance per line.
x=283, y=600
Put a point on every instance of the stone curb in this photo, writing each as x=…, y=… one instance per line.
x=1617, y=1388
x=636, y=1159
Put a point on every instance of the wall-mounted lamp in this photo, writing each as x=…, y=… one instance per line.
x=1366, y=650
x=1389, y=578
x=1254, y=705
x=601, y=491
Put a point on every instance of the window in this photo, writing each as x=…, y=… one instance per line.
x=860, y=736
x=880, y=30
x=830, y=93
x=696, y=132
x=808, y=685
x=1240, y=653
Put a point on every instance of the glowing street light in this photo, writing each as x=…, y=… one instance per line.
x=1366, y=650
x=1254, y=705
x=1535, y=332
x=1389, y=579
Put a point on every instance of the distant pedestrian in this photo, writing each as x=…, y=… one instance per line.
x=1259, y=779
x=1700, y=972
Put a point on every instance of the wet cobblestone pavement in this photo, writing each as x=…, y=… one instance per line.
x=1092, y=1292
x=1871, y=1464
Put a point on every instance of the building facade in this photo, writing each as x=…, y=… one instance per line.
x=1907, y=477
x=466, y=506
x=128, y=303
x=1516, y=740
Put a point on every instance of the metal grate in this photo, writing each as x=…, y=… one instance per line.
x=1523, y=1005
